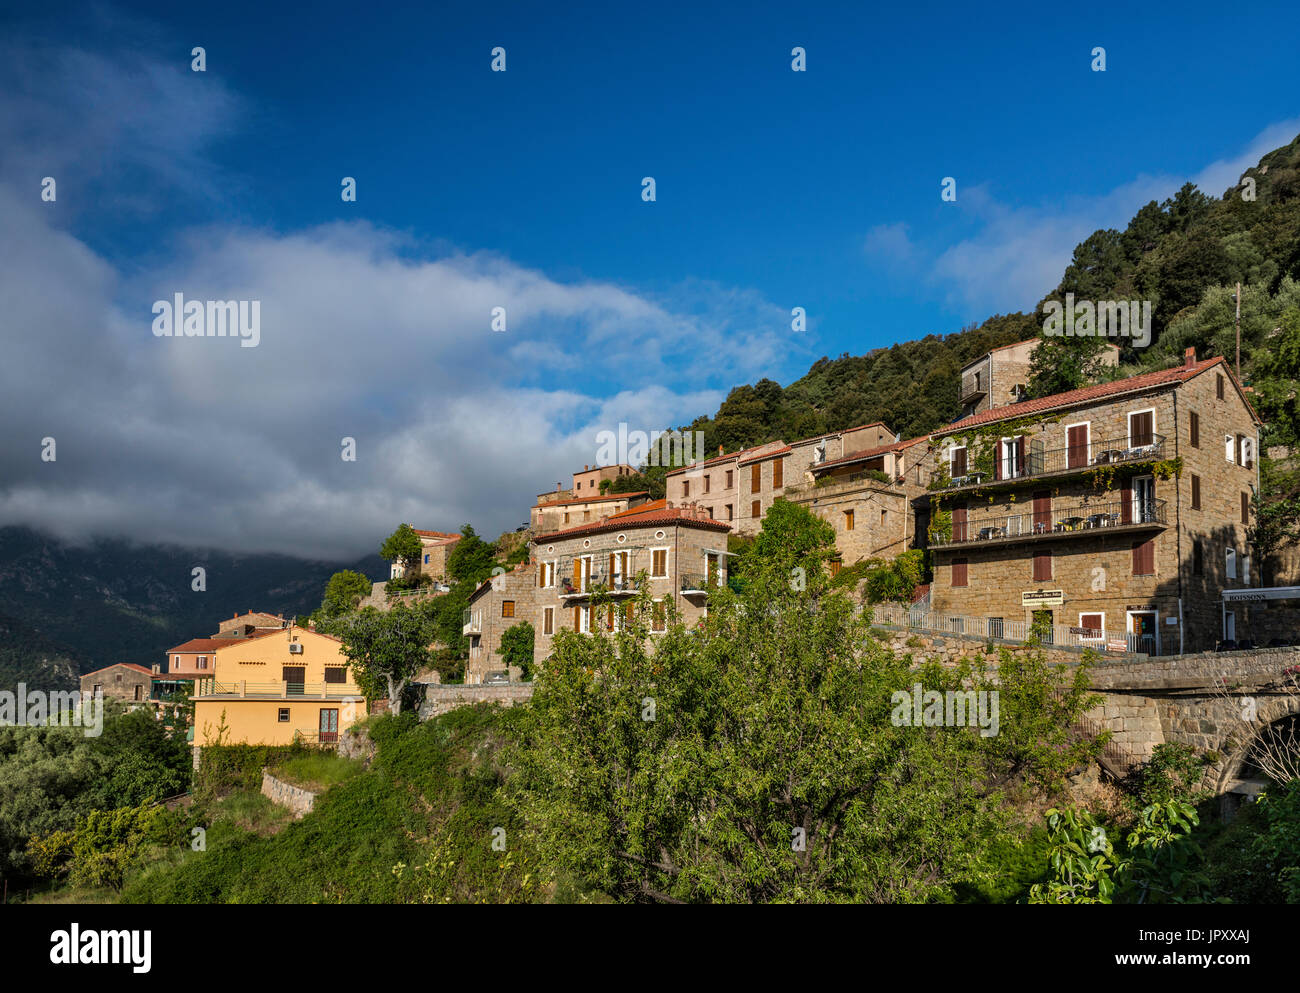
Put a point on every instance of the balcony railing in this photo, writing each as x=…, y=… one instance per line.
x=698, y=582
x=1016, y=629
x=829, y=484
x=1078, y=518
x=210, y=687
x=972, y=388
x=598, y=580
x=1053, y=461
x=471, y=622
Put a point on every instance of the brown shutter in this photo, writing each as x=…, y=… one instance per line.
x=610, y=578
x=1196, y=492
x=1245, y=508
x=1020, y=454
x=1144, y=558
x=575, y=617
x=756, y=477
x=959, y=462
x=1042, y=566
x=1140, y=429
x=778, y=474
x=1196, y=429
x=997, y=459
x=1077, y=442
x=958, y=572
x=959, y=524
x=1126, y=504
x=1043, y=510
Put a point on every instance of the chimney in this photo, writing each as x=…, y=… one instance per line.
x=719, y=449
x=1189, y=357
x=585, y=468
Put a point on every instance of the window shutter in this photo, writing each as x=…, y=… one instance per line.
x=958, y=572
x=959, y=462
x=756, y=509
x=1077, y=442
x=756, y=477
x=1126, y=504
x=1227, y=448
x=1245, y=508
x=1141, y=429
x=778, y=474
x=959, y=524
x=1195, y=429
x=1043, y=510
x=1042, y=566
x=1144, y=558
x=997, y=461
x=1020, y=454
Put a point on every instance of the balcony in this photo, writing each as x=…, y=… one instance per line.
x=1073, y=521
x=597, y=581
x=471, y=622
x=973, y=388
x=280, y=690
x=1040, y=463
x=835, y=485
x=698, y=584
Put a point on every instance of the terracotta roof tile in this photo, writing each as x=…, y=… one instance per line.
x=867, y=453
x=642, y=519
x=124, y=665
x=594, y=499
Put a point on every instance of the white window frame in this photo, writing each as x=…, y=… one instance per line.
x=1131, y=413
x=667, y=567
x=1098, y=613
x=1245, y=570
x=1230, y=449
x=1007, y=451
x=1230, y=562
x=653, y=621
x=586, y=584
x=1128, y=620
x=584, y=619
x=1136, y=504
x=1088, y=452
x=1247, y=446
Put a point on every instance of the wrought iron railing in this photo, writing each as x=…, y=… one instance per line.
x=1037, y=461
x=1031, y=523
x=1013, y=629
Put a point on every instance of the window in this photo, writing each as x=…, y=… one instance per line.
x=1011, y=458
x=1196, y=492
x=756, y=478
x=959, y=574
x=884, y=518
x=659, y=562
x=1245, y=569
x=336, y=674
x=283, y=715
x=836, y=565
x=1229, y=448
x=686, y=487
x=848, y=520
x=729, y=512
x=507, y=608
x=1144, y=558
x=730, y=478
x=1042, y=566
x=1230, y=557
x=756, y=509
x=426, y=558
x=1198, y=558
x=1093, y=625
x=1245, y=508
x=548, y=620
x=706, y=484
x=546, y=574
x=708, y=511
x=959, y=525
x=1141, y=428
x=584, y=619
x=659, y=617
x=995, y=627
x=1195, y=429
x=202, y=662
x=958, y=462
x=778, y=474
x=97, y=688
x=1244, y=452
x=1042, y=511
x=1219, y=386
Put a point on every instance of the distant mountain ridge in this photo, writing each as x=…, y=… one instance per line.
x=67, y=609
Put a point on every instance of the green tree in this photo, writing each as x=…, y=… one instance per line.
x=1060, y=364
x=343, y=592
x=402, y=546
x=471, y=558
x=386, y=649
x=791, y=538
x=517, y=648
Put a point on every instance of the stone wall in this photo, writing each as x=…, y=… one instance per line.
x=441, y=698
x=298, y=800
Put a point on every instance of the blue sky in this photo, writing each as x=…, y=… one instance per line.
x=776, y=189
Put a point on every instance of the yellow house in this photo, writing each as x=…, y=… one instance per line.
x=275, y=687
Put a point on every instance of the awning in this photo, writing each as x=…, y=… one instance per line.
x=1263, y=593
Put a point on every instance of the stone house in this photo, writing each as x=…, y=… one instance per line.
x=1118, y=510
x=242, y=625
x=121, y=681
x=435, y=546
x=867, y=496
x=558, y=514
x=677, y=552
x=497, y=605
x=1001, y=377
x=740, y=487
